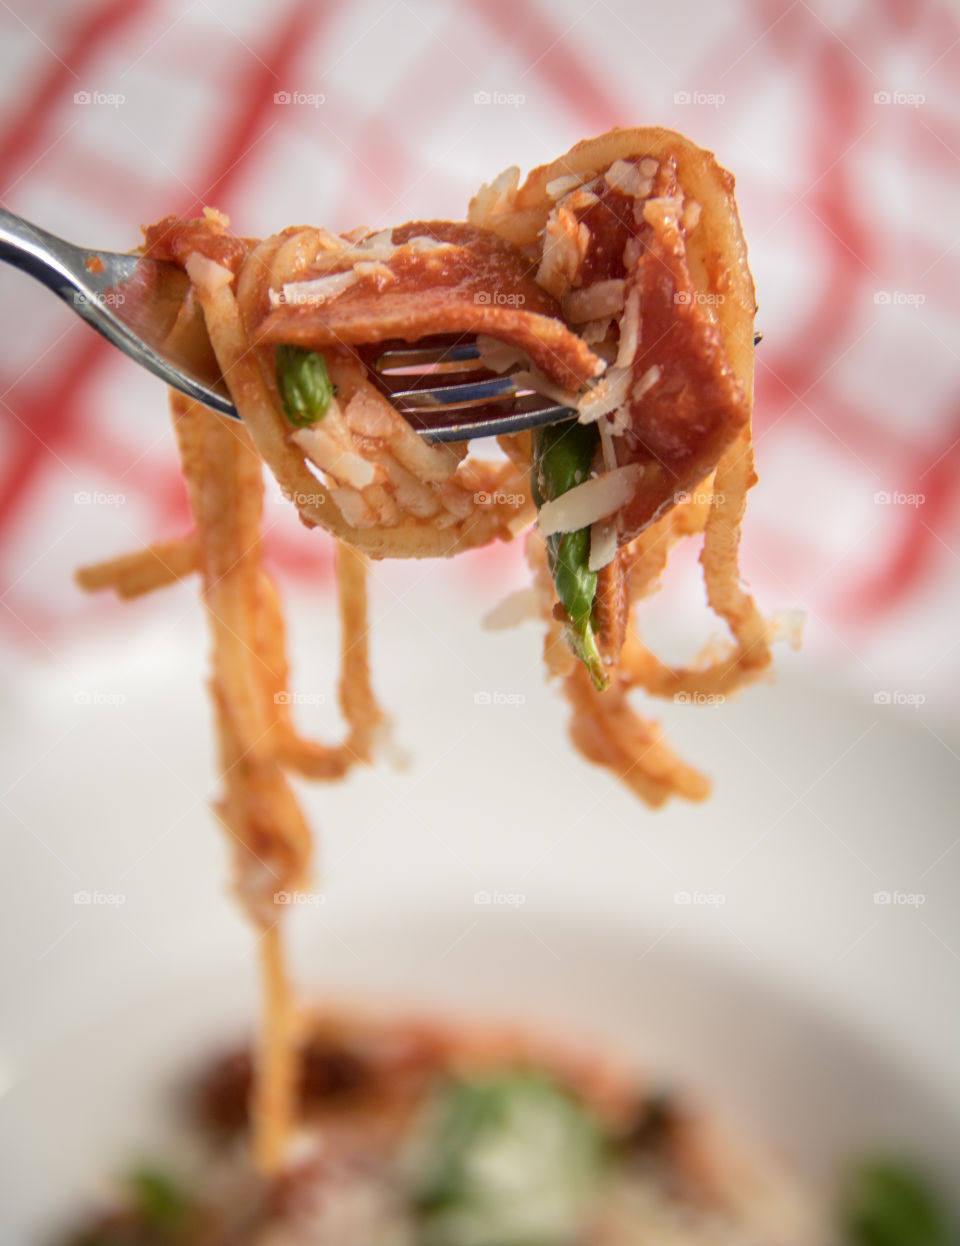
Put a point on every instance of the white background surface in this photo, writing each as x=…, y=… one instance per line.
x=822, y=800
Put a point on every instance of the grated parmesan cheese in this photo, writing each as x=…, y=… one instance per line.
x=499, y=356
x=595, y=331
x=207, y=274
x=605, y=396
x=517, y=607
x=623, y=175
x=561, y=185
x=691, y=215
x=593, y=302
x=315, y=291
x=595, y=499
x=330, y=456
x=629, y=330
x=603, y=544
x=495, y=199
x=646, y=382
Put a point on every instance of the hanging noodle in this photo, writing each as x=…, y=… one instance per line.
x=636, y=236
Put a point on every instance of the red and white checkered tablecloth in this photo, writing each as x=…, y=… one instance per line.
x=841, y=122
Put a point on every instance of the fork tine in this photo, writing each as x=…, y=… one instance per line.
x=445, y=397
x=410, y=375
x=427, y=356
x=430, y=385
x=489, y=426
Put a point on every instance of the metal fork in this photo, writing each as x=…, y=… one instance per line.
x=134, y=303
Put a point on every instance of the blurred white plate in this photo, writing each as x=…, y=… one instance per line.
x=99, y=1098
x=737, y=947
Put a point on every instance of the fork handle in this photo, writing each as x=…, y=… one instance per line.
x=38, y=253
x=130, y=301
x=60, y=266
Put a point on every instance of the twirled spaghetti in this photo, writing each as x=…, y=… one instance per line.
x=615, y=279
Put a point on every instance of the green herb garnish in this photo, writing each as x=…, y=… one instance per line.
x=562, y=457
x=888, y=1203
x=305, y=388
x=511, y=1159
x=160, y=1202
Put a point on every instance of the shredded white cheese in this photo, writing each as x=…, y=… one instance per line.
x=607, y=446
x=605, y=396
x=662, y=212
x=353, y=508
x=629, y=330
x=561, y=185
x=632, y=251
x=423, y=242
x=623, y=175
x=691, y=215
x=603, y=298
x=495, y=199
x=517, y=607
x=603, y=544
x=499, y=356
x=646, y=382
x=377, y=270
x=315, y=291
x=595, y=331
x=366, y=258
x=579, y=199
x=369, y=415
x=207, y=274
x=565, y=243
x=532, y=378
x=330, y=456
x=595, y=499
